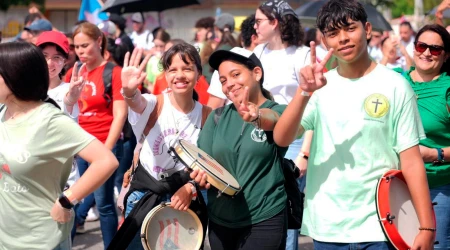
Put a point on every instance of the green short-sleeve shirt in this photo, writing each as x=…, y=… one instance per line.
x=433, y=100
x=36, y=157
x=252, y=157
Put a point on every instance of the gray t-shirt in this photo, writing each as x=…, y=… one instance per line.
x=36, y=155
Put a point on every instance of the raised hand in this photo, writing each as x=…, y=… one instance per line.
x=247, y=110
x=133, y=74
x=311, y=76
x=77, y=82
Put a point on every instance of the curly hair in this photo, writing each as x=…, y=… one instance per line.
x=247, y=30
x=335, y=14
x=290, y=28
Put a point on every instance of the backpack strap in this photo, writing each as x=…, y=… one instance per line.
x=107, y=82
x=205, y=113
x=155, y=114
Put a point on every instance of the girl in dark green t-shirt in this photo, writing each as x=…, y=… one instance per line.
x=242, y=142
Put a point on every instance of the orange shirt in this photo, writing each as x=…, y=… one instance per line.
x=95, y=115
x=201, y=88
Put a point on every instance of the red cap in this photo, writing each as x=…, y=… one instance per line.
x=55, y=37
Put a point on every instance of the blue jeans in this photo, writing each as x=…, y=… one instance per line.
x=292, y=153
x=65, y=245
x=441, y=195
x=125, y=161
x=380, y=245
x=104, y=198
x=133, y=198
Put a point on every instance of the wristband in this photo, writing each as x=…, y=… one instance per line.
x=256, y=123
x=129, y=97
x=440, y=158
x=427, y=229
x=304, y=93
x=304, y=156
x=194, y=190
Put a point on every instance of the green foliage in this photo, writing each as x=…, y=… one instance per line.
x=402, y=7
x=5, y=4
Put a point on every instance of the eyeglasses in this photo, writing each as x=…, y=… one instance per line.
x=258, y=21
x=435, y=50
x=56, y=59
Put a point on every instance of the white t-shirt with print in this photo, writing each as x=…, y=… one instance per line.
x=143, y=40
x=282, y=70
x=360, y=128
x=154, y=155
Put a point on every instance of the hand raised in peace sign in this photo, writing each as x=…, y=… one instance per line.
x=311, y=76
x=247, y=110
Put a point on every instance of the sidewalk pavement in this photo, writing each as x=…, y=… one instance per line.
x=92, y=239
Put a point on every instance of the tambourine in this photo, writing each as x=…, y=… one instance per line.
x=166, y=228
x=396, y=211
x=195, y=158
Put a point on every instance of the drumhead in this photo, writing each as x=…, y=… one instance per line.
x=166, y=228
x=209, y=164
x=406, y=220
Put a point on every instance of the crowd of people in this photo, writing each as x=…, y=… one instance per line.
x=344, y=101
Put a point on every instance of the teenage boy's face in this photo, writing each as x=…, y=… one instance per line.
x=349, y=42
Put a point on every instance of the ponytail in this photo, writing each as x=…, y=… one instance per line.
x=266, y=94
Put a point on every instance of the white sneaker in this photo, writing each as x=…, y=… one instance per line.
x=92, y=214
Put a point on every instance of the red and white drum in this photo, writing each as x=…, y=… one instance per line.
x=166, y=228
x=396, y=210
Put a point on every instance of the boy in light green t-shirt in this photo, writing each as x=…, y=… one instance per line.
x=365, y=122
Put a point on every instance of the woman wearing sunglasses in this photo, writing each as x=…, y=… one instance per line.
x=431, y=83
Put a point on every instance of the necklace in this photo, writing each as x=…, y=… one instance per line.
x=173, y=116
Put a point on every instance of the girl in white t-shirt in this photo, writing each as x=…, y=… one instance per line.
x=180, y=118
x=282, y=56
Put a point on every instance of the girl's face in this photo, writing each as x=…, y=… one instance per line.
x=182, y=77
x=159, y=46
x=265, y=29
x=235, y=77
x=424, y=60
x=87, y=49
x=201, y=34
x=55, y=60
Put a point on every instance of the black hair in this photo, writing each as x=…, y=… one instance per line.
x=290, y=27
x=407, y=24
x=59, y=50
x=25, y=71
x=118, y=20
x=205, y=22
x=250, y=65
x=248, y=30
x=32, y=17
x=335, y=14
x=116, y=50
x=311, y=35
x=185, y=51
x=445, y=37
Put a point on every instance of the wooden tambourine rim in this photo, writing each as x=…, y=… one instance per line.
x=236, y=189
x=154, y=211
x=390, y=230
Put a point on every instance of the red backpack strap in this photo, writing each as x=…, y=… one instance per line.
x=205, y=112
x=155, y=114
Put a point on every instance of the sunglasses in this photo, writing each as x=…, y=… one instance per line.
x=435, y=50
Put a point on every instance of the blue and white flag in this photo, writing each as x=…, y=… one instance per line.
x=90, y=11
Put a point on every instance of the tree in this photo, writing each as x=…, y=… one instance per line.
x=5, y=4
x=380, y=3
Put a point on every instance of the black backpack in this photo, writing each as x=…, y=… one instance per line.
x=107, y=94
x=295, y=198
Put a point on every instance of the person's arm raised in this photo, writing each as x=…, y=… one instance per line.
x=133, y=74
x=288, y=126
